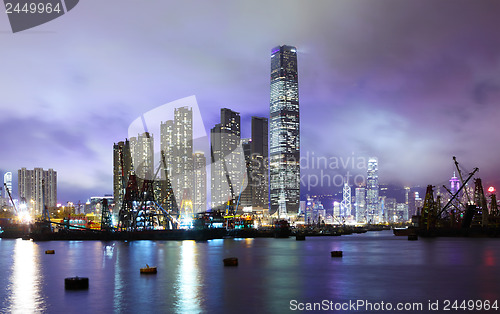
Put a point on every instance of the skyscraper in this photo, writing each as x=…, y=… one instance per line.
x=361, y=204
x=142, y=153
x=228, y=162
x=37, y=187
x=372, y=207
x=176, y=141
x=122, y=169
x=200, y=182
x=259, y=177
x=285, y=131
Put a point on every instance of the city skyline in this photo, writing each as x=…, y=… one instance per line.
x=417, y=88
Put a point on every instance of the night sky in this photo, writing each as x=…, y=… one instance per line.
x=410, y=82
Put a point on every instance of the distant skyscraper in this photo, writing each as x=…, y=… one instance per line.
x=345, y=205
x=122, y=169
x=227, y=160
x=37, y=187
x=361, y=204
x=7, y=180
x=285, y=131
x=200, y=183
x=372, y=206
x=176, y=141
x=454, y=184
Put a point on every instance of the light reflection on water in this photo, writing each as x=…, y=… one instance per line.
x=188, y=281
x=192, y=279
x=25, y=281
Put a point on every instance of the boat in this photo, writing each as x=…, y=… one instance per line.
x=402, y=232
x=148, y=270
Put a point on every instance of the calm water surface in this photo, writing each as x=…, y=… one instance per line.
x=192, y=279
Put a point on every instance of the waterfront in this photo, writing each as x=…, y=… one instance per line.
x=376, y=266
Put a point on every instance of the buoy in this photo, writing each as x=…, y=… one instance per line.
x=231, y=261
x=336, y=253
x=76, y=283
x=412, y=237
x=300, y=237
x=148, y=270
x=50, y=252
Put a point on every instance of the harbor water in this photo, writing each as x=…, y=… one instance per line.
x=272, y=276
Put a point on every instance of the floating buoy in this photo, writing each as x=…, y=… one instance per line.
x=336, y=253
x=412, y=237
x=300, y=237
x=76, y=283
x=50, y=252
x=149, y=270
x=231, y=261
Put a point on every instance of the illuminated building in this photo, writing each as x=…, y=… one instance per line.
x=200, y=182
x=228, y=164
x=176, y=141
x=454, y=184
x=360, y=199
x=260, y=167
x=372, y=207
x=345, y=205
x=284, y=131
x=7, y=180
x=122, y=169
x=142, y=153
x=245, y=200
x=256, y=194
x=37, y=187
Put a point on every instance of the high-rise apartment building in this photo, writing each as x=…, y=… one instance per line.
x=37, y=187
x=176, y=141
x=228, y=164
x=284, y=131
x=372, y=206
x=142, y=153
x=200, y=182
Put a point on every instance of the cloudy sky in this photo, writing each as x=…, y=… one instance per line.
x=410, y=82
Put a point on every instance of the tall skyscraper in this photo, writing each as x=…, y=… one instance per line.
x=37, y=187
x=176, y=141
x=372, y=207
x=285, y=131
x=7, y=180
x=200, y=182
x=122, y=169
x=227, y=160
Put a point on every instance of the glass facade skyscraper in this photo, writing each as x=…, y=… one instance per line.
x=284, y=131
